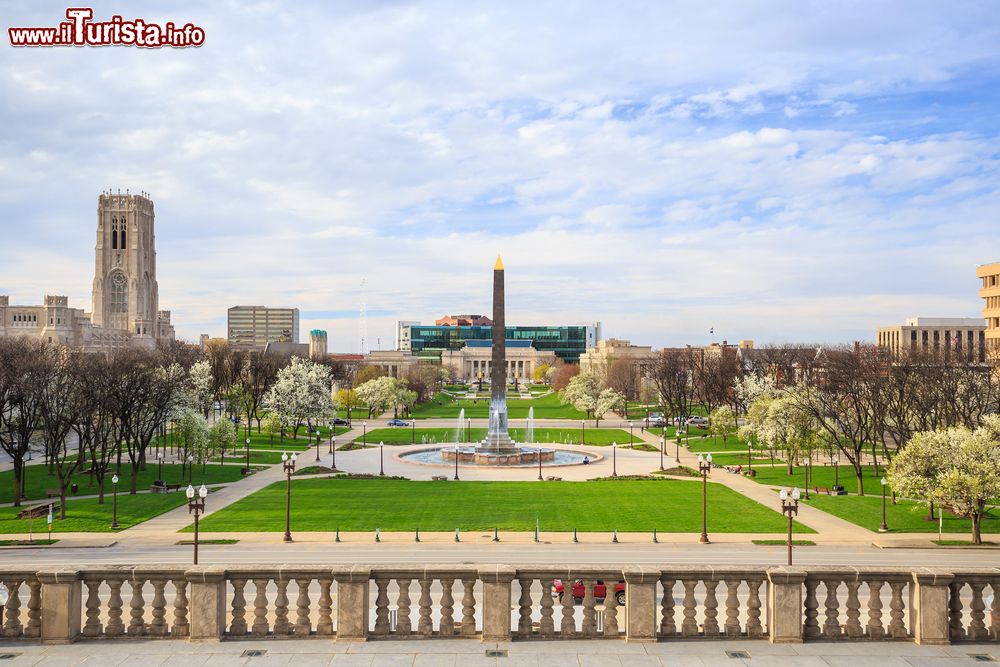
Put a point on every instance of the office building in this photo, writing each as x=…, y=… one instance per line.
x=990, y=293
x=935, y=335
x=253, y=327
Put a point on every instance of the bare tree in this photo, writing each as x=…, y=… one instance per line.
x=21, y=374
x=671, y=372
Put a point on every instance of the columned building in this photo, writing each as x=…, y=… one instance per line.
x=964, y=336
x=990, y=292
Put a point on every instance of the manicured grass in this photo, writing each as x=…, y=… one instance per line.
x=962, y=543
x=365, y=504
x=735, y=459
x=203, y=542
x=85, y=515
x=27, y=543
x=906, y=516
x=38, y=479
x=404, y=436
x=795, y=543
x=443, y=406
x=821, y=476
x=262, y=457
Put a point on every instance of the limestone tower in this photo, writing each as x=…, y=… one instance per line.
x=125, y=291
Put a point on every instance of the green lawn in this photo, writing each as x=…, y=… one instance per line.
x=821, y=476
x=262, y=457
x=85, y=515
x=403, y=436
x=906, y=516
x=397, y=505
x=735, y=458
x=38, y=479
x=443, y=406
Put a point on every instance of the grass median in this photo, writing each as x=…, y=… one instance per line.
x=405, y=435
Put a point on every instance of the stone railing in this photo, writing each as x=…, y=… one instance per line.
x=502, y=602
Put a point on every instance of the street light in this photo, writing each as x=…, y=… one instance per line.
x=159, y=466
x=614, y=459
x=413, y=430
x=883, y=528
x=381, y=463
x=539, y=463
x=663, y=446
x=288, y=464
x=190, y=468
x=583, y=432
x=114, y=516
x=364, y=434
x=318, y=437
x=248, y=455
x=332, y=430
x=196, y=505
x=631, y=442
x=457, y=455
x=790, y=508
x=705, y=468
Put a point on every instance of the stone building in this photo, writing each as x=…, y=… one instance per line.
x=934, y=335
x=254, y=327
x=990, y=292
x=125, y=296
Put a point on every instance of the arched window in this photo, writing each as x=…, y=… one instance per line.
x=123, y=246
x=118, y=301
x=114, y=233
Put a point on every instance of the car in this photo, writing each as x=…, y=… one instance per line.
x=397, y=422
x=600, y=591
x=697, y=421
x=340, y=421
x=657, y=423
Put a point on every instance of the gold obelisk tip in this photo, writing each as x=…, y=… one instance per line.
x=499, y=265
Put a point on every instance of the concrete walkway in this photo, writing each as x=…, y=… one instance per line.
x=472, y=653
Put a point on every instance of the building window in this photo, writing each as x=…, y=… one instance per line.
x=114, y=233
x=118, y=301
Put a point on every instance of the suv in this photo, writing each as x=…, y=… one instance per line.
x=600, y=591
x=340, y=421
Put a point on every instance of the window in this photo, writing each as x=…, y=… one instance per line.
x=118, y=301
x=114, y=233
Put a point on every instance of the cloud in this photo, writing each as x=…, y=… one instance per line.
x=660, y=168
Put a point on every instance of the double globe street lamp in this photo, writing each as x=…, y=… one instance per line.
x=884, y=528
x=196, y=504
x=789, y=507
x=114, y=503
x=288, y=464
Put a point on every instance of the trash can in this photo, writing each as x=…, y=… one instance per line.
x=74, y=488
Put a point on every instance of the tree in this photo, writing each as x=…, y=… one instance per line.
x=367, y=373
x=193, y=432
x=541, y=373
x=671, y=373
x=964, y=475
x=222, y=437
x=301, y=394
x=22, y=372
x=424, y=379
x=201, y=386
x=379, y=394
x=607, y=401
x=623, y=376
x=564, y=374
x=257, y=374
x=348, y=399
x=722, y=422
x=582, y=393
x=753, y=428
x=60, y=402
x=748, y=387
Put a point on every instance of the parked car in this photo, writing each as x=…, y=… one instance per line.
x=600, y=591
x=657, y=423
x=340, y=421
x=397, y=422
x=697, y=421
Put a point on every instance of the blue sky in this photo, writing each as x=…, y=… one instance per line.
x=779, y=171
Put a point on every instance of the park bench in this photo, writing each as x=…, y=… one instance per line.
x=36, y=511
x=245, y=471
x=750, y=473
x=823, y=489
x=439, y=478
x=164, y=488
x=52, y=493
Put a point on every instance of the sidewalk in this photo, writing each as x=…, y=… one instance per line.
x=472, y=653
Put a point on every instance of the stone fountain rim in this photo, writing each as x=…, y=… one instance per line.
x=399, y=454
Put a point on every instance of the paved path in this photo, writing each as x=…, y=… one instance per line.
x=472, y=653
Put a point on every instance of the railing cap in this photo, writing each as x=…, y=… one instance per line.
x=932, y=576
x=497, y=574
x=641, y=574
x=786, y=575
x=61, y=575
x=205, y=574
x=351, y=574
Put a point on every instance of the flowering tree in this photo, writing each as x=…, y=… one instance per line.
x=582, y=392
x=379, y=394
x=193, y=432
x=957, y=468
x=222, y=437
x=607, y=400
x=722, y=422
x=201, y=386
x=301, y=394
x=750, y=387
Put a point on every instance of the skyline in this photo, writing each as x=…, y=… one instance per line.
x=662, y=171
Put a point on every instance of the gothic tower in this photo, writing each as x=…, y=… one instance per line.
x=125, y=291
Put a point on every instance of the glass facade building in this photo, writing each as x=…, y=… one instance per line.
x=566, y=342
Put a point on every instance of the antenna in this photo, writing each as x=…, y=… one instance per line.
x=363, y=319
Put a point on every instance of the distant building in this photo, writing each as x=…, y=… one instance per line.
x=253, y=327
x=464, y=321
x=317, y=345
x=565, y=342
x=990, y=293
x=203, y=340
x=597, y=359
x=403, y=333
x=933, y=335
x=125, y=296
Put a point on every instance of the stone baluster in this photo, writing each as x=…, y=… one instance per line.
x=831, y=626
x=260, y=626
x=546, y=625
x=567, y=628
x=689, y=626
x=115, y=626
x=711, y=627
x=12, y=612
x=404, y=627
x=853, y=627
x=281, y=624
x=874, y=628
x=34, y=626
x=158, y=626
x=590, y=608
x=324, y=626
x=238, y=627
x=381, y=628
x=424, y=624
x=524, y=608
x=446, y=626
x=732, y=626
x=668, y=627
x=811, y=629
x=92, y=627
x=897, y=627
x=136, y=624
x=977, y=629
x=303, y=626
x=956, y=628
x=611, y=612
x=181, y=627
x=754, y=628
x=469, y=607
x=995, y=612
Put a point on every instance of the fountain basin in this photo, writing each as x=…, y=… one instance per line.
x=469, y=456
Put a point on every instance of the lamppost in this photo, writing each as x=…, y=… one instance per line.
x=114, y=503
x=332, y=430
x=318, y=436
x=663, y=446
x=364, y=434
x=883, y=528
x=159, y=466
x=288, y=464
x=457, y=455
x=789, y=508
x=583, y=432
x=631, y=442
x=539, y=463
x=248, y=454
x=196, y=505
x=333, y=453
x=614, y=459
x=468, y=429
x=190, y=461
x=705, y=468
x=413, y=430
x=381, y=464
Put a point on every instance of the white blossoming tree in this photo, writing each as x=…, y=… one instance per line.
x=582, y=392
x=201, y=386
x=722, y=422
x=301, y=394
x=607, y=401
x=380, y=394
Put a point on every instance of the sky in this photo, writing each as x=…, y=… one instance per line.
x=775, y=171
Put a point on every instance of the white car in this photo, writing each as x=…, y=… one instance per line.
x=697, y=421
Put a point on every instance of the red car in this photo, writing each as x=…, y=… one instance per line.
x=600, y=591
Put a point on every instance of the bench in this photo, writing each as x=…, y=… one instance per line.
x=164, y=488
x=53, y=493
x=823, y=489
x=750, y=473
x=245, y=471
x=37, y=511
x=439, y=478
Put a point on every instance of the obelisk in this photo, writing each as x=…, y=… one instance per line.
x=497, y=438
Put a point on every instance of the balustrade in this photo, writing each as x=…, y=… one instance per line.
x=697, y=591
x=974, y=606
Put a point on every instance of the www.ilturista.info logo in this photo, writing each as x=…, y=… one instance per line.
x=80, y=30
